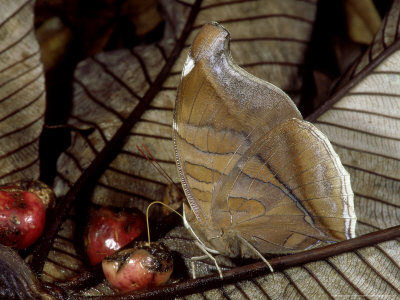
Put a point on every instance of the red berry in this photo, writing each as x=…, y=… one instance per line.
x=23, y=211
x=108, y=231
x=140, y=267
x=22, y=218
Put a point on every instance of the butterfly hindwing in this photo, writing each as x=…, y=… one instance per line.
x=288, y=188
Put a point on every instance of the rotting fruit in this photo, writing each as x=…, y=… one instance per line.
x=140, y=267
x=23, y=207
x=109, y=230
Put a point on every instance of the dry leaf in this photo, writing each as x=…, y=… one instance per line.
x=17, y=281
x=110, y=98
x=22, y=94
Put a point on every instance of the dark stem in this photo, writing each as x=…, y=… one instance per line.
x=260, y=268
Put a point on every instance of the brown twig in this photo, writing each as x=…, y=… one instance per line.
x=260, y=268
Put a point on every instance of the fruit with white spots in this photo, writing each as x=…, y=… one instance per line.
x=140, y=267
x=23, y=207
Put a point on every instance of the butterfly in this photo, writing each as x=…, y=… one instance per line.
x=258, y=178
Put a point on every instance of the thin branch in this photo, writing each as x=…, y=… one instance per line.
x=260, y=268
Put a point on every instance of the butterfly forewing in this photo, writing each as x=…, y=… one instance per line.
x=220, y=111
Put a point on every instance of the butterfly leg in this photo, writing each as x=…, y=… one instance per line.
x=193, y=269
x=211, y=257
x=256, y=252
x=192, y=260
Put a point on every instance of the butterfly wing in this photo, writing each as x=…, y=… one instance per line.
x=287, y=192
x=221, y=110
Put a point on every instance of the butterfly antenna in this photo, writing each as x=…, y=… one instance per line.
x=150, y=158
x=155, y=163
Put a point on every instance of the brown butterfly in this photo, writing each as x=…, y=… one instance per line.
x=258, y=178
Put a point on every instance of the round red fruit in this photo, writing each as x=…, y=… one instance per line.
x=141, y=267
x=108, y=231
x=22, y=218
